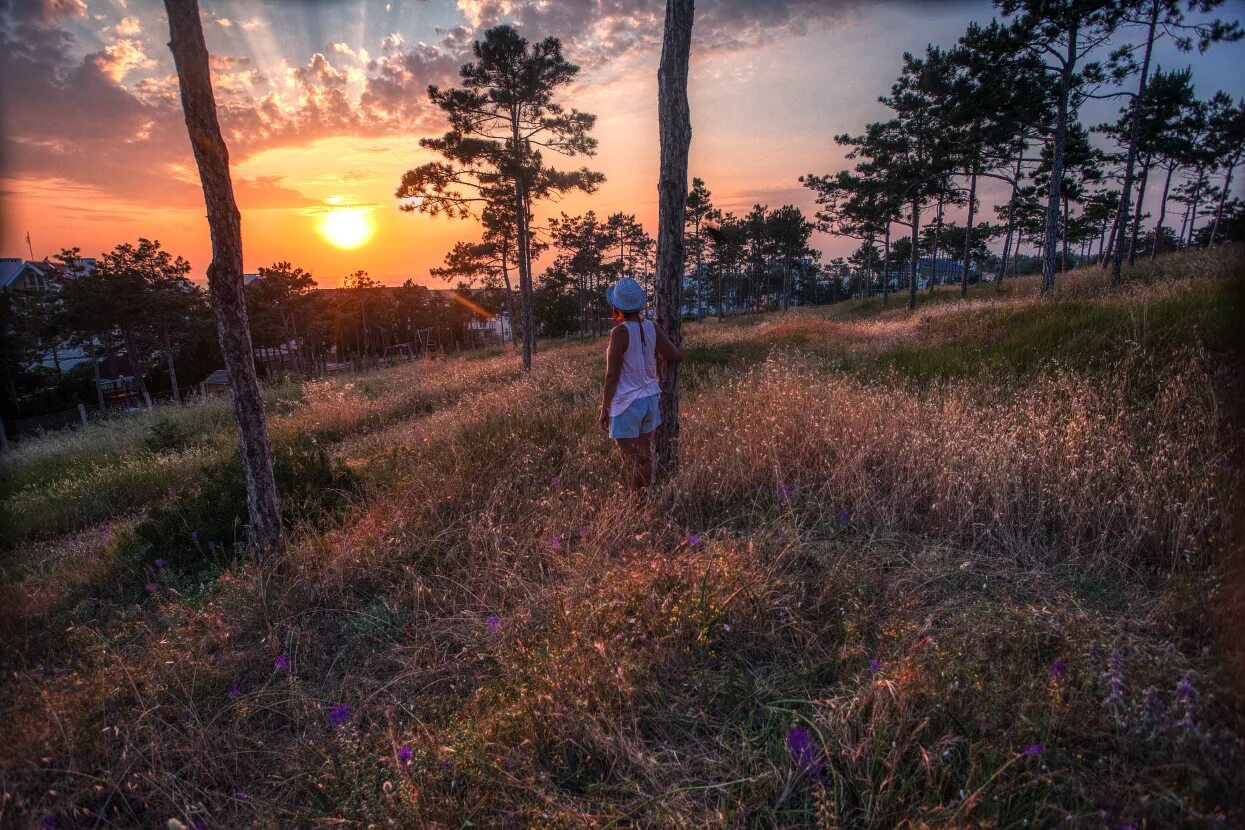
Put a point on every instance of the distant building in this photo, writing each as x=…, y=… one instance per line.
x=23, y=275
x=19, y=274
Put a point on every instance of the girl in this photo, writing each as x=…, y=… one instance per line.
x=629, y=407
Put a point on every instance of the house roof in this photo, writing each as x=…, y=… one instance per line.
x=12, y=267
x=218, y=378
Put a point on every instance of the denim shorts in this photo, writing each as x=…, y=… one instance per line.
x=643, y=415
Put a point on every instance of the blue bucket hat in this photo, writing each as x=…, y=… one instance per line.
x=626, y=295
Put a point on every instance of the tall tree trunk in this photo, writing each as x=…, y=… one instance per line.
x=1158, y=226
x=1195, y=204
x=224, y=274
x=168, y=358
x=140, y=380
x=675, y=128
x=1142, y=181
x=1056, y=174
x=1063, y=235
x=505, y=275
x=1134, y=132
x=1223, y=197
x=99, y=387
x=916, y=224
x=886, y=265
x=968, y=232
x=933, y=267
x=1011, y=221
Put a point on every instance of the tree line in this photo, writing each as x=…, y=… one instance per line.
x=135, y=312
x=1003, y=104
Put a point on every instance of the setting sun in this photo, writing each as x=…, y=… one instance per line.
x=346, y=228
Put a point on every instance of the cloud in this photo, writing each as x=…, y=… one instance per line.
x=128, y=27
x=121, y=58
x=253, y=23
x=224, y=22
x=392, y=41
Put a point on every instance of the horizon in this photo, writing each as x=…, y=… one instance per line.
x=323, y=106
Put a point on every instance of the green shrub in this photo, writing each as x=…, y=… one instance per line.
x=205, y=525
x=167, y=434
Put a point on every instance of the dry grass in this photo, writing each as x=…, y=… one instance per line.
x=865, y=600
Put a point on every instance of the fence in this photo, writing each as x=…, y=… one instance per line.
x=114, y=406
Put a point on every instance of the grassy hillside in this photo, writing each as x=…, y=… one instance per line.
x=961, y=567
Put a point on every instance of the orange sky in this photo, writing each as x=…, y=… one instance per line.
x=323, y=106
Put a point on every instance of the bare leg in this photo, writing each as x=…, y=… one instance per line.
x=632, y=452
x=645, y=442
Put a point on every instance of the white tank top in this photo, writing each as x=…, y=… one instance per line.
x=639, y=371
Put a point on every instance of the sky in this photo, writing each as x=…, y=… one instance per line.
x=323, y=103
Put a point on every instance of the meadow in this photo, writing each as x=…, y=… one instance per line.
x=970, y=566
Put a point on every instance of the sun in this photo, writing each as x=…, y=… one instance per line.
x=347, y=228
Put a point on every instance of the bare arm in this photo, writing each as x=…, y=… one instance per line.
x=669, y=352
x=619, y=340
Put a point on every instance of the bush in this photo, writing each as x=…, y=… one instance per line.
x=205, y=525
x=167, y=434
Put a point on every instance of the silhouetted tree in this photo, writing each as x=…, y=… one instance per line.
x=501, y=119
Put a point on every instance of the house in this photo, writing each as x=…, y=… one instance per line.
x=28, y=275
x=23, y=275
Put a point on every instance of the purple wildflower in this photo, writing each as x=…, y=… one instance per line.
x=1187, y=695
x=555, y=542
x=784, y=493
x=803, y=748
x=212, y=545
x=555, y=482
x=241, y=796
x=875, y=667
x=494, y=624
x=160, y=563
x=186, y=714
x=194, y=537
x=1058, y=668
x=234, y=691
x=198, y=825
x=404, y=755
x=843, y=517
x=1034, y=750
x=49, y=823
x=582, y=533
x=339, y=714
x=152, y=587
x=693, y=540
x=282, y=664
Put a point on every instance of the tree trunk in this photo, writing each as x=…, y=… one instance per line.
x=224, y=274
x=916, y=223
x=675, y=128
x=1134, y=131
x=1056, y=173
x=968, y=232
x=886, y=265
x=168, y=357
x=1142, y=181
x=1223, y=197
x=99, y=387
x=1158, y=226
x=140, y=381
x=1063, y=235
x=933, y=268
x=1011, y=222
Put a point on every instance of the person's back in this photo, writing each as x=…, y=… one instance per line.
x=630, y=400
x=638, y=378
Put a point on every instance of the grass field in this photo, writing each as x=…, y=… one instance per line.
x=966, y=567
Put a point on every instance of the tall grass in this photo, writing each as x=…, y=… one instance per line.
x=866, y=599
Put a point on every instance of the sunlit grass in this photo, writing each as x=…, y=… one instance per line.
x=873, y=594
